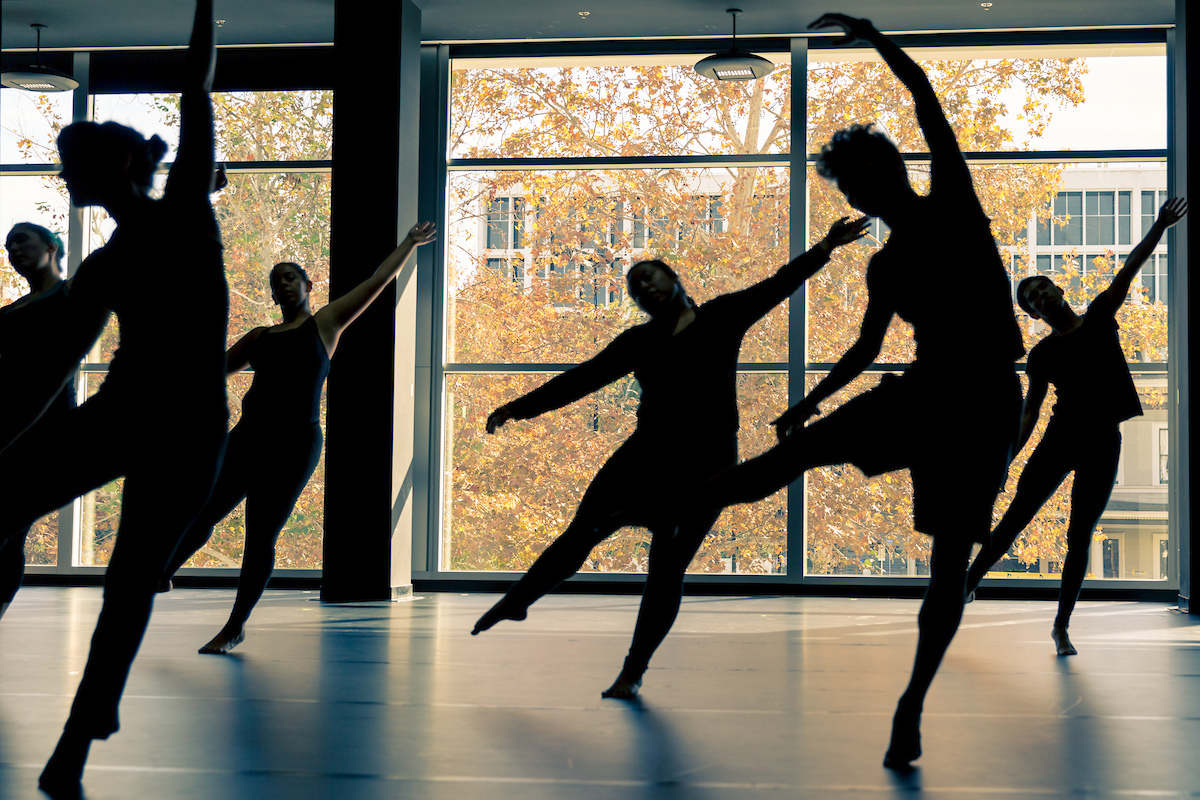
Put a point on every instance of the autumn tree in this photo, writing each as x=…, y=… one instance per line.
x=555, y=296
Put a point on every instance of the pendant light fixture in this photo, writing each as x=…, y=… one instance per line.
x=36, y=78
x=734, y=64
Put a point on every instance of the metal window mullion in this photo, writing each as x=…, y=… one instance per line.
x=70, y=517
x=798, y=304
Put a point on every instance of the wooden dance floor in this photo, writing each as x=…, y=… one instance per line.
x=748, y=698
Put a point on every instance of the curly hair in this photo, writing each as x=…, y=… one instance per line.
x=856, y=150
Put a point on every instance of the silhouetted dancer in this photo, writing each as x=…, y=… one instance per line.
x=1082, y=357
x=952, y=417
x=685, y=360
x=28, y=324
x=161, y=426
x=280, y=420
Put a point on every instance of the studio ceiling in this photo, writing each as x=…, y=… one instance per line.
x=80, y=24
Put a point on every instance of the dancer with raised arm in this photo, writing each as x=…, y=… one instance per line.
x=161, y=426
x=952, y=417
x=1082, y=357
x=685, y=360
x=280, y=421
x=27, y=325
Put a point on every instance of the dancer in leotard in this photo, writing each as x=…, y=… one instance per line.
x=26, y=325
x=280, y=421
x=685, y=360
x=941, y=272
x=1082, y=357
x=160, y=417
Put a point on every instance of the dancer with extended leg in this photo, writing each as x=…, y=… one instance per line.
x=685, y=359
x=27, y=325
x=1082, y=357
x=162, y=428
x=962, y=384
x=280, y=416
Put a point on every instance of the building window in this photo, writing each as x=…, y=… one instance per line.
x=1161, y=460
x=505, y=219
x=1110, y=557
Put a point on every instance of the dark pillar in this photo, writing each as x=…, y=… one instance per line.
x=1183, y=106
x=368, y=459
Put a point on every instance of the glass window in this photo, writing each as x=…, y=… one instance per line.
x=569, y=299
x=613, y=106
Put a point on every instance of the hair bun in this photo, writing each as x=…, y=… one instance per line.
x=156, y=147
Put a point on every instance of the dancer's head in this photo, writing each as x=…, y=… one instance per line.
x=867, y=167
x=290, y=285
x=104, y=162
x=32, y=249
x=1038, y=296
x=656, y=288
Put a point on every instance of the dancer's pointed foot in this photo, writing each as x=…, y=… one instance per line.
x=905, y=746
x=62, y=778
x=970, y=598
x=224, y=641
x=624, y=687
x=1062, y=642
x=505, y=609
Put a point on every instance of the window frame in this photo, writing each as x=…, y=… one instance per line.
x=796, y=367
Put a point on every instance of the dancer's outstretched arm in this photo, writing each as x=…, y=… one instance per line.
x=337, y=315
x=613, y=362
x=949, y=170
x=193, y=175
x=860, y=356
x=1171, y=212
x=755, y=302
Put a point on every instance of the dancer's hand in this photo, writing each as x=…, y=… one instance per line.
x=220, y=178
x=856, y=29
x=794, y=418
x=844, y=232
x=423, y=233
x=497, y=418
x=1172, y=211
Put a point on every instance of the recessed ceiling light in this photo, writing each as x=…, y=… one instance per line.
x=585, y=14
x=985, y=6
x=220, y=22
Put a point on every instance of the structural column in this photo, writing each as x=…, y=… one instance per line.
x=369, y=448
x=1183, y=140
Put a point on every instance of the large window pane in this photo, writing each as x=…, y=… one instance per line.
x=1062, y=98
x=634, y=106
x=1130, y=542
x=855, y=525
x=29, y=126
x=250, y=126
x=560, y=295
x=299, y=545
x=508, y=495
x=1019, y=198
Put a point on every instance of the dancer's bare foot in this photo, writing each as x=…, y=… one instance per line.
x=905, y=746
x=1062, y=642
x=62, y=778
x=502, y=610
x=224, y=641
x=970, y=598
x=623, y=688
x=164, y=586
